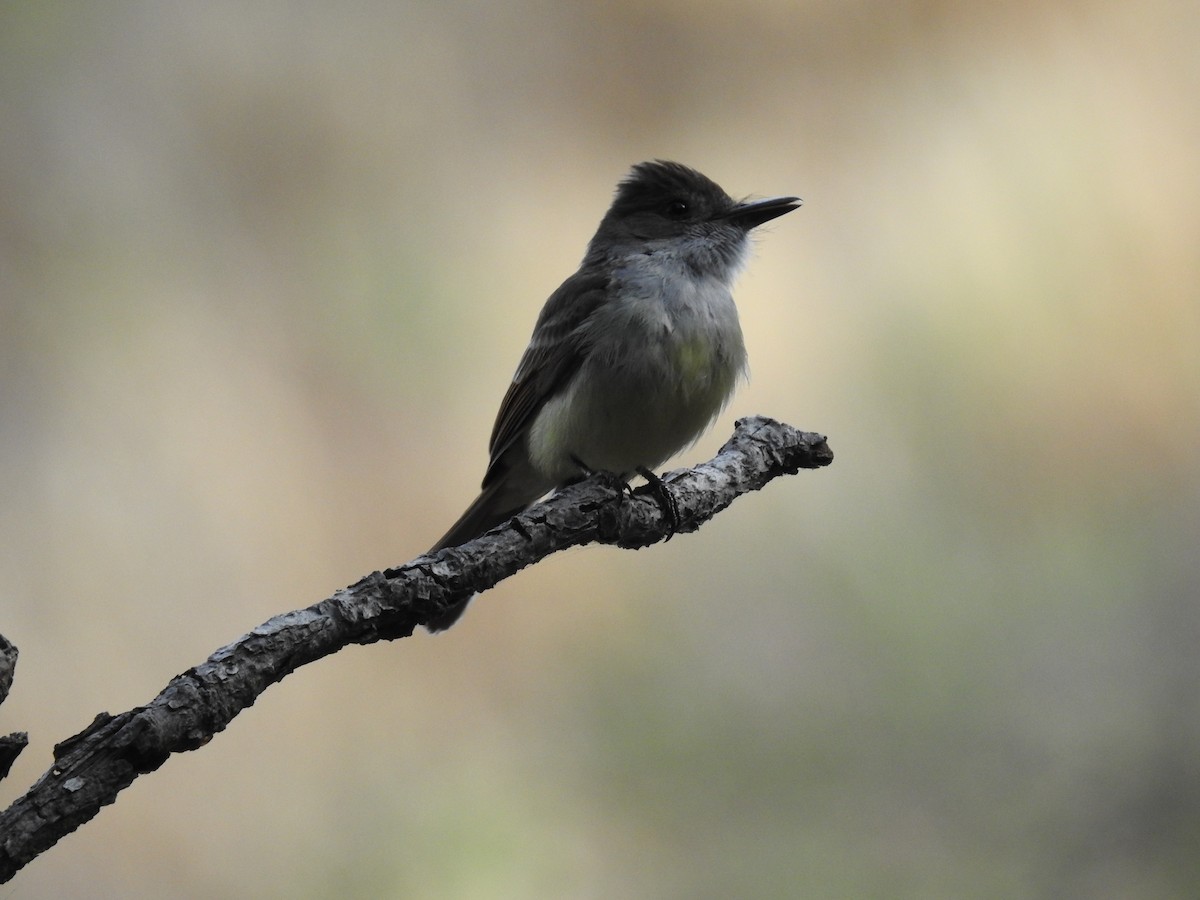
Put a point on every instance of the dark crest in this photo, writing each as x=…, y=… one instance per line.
x=661, y=187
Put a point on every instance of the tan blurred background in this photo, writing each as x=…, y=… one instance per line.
x=265, y=272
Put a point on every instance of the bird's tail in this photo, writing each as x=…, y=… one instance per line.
x=499, y=501
x=495, y=504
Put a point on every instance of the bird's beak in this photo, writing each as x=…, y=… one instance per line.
x=751, y=215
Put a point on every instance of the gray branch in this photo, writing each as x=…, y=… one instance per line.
x=92, y=767
x=11, y=745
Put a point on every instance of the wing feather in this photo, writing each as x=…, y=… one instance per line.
x=555, y=352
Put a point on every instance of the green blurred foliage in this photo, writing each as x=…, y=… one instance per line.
x=264, y=274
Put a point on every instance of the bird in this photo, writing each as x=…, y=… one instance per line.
x=633, y=356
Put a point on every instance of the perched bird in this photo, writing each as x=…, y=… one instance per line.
x=633, y=356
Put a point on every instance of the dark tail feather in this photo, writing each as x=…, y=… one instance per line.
x=448, y=618
x=491, y=508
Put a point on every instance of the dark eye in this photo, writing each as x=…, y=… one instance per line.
x=677, y=209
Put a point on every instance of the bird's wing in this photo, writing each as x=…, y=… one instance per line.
x=554, y=354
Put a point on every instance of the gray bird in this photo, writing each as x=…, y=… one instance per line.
x=633, y=356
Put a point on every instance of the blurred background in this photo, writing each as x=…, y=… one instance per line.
x=265, y=272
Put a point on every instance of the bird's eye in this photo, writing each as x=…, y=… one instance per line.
x=677, y=209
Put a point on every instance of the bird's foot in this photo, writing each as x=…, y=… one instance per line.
x=665, y=498
x=612, y=479
x=657, y=486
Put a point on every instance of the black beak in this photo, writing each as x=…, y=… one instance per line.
x=751, y=215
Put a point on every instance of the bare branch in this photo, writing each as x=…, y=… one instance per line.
x=92, y=767
x=8, y=666
x=11, y=745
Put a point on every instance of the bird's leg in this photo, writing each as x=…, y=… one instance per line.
x=665, y=498
x=611, y=478
x=585, y=471
x=657, y=486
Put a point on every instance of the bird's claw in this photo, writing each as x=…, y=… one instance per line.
x=665, y=498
